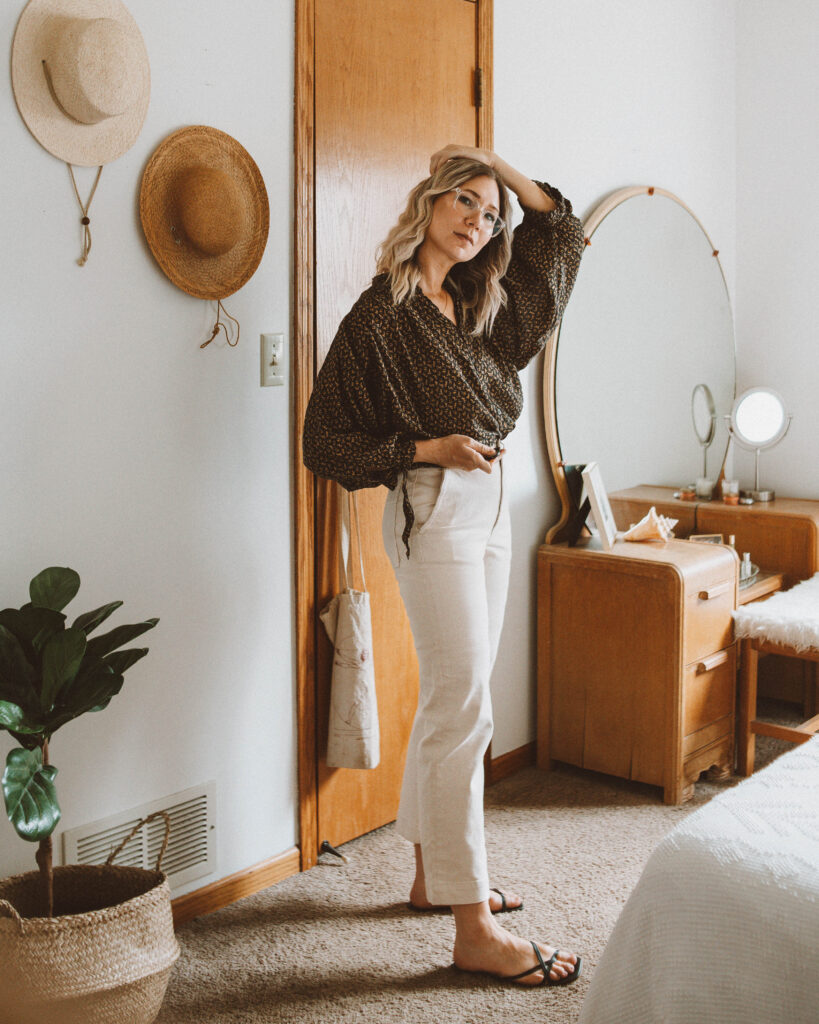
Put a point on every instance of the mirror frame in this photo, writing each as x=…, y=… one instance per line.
x=774, y=439
x=703, y=389
x=556, y=533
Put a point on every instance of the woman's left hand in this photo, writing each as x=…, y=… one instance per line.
x=485, y=156
x=525, y=189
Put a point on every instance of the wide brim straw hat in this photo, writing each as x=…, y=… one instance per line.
x=81, y=78
x=204, y=211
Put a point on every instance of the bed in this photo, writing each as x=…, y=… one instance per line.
x=723, y=925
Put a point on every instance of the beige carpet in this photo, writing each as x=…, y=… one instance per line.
x=337, y=944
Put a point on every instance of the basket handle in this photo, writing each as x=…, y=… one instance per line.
x=7, y=910
x=136, y=828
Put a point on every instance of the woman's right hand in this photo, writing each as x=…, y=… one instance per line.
x=455, y=451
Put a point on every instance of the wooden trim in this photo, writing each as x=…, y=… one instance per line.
x=511, y=762
x=485, y=130
x=486, y=112
x=227, y=890
x=303, y=374
x=555, y=534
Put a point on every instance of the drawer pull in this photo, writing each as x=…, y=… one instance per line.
x=715, y=591
x=714, y=661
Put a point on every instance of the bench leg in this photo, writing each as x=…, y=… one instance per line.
x=811, y=677
x=746, y=711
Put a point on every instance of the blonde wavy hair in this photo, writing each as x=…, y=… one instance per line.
x=478, y=281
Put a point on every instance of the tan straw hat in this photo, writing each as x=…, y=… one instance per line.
x=81, y=78
x=204, y=211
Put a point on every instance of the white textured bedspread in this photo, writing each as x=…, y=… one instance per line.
x=723, y=925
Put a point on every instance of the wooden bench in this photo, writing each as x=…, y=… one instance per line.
x=786, y=624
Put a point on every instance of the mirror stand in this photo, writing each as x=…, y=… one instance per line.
x=758, y=494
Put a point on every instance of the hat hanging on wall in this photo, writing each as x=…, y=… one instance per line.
x=82, y=82
x=205, y=214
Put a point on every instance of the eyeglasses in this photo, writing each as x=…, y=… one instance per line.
x=466, y=204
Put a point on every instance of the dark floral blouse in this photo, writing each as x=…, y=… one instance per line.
x=397, y=374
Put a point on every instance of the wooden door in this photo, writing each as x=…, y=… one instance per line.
x=394, y=81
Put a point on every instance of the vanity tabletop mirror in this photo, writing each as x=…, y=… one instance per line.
x=636, y=656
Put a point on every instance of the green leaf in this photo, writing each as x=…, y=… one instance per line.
x=95, y=685
x=62, y=657
x=32, y=626
x=31, y=741
x=31, y=798
x=13, y=718
x=90, y=620
x=54, y=588
x=102, y=645
x=121, y=661
x=18, y=680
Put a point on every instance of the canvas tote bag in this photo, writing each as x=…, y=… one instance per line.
x=353, y=739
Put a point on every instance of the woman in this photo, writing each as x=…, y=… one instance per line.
x=420, y=388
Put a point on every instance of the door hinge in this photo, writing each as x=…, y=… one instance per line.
x=478, y=87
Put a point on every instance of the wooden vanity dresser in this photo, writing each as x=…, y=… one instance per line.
x=636, y=660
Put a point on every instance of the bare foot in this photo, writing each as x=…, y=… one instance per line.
x=494, y=950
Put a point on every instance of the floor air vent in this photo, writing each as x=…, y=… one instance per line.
x=191, y=849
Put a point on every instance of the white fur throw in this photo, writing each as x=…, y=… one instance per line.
x=789, y=618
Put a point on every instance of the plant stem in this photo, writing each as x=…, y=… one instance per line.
x=44, y=858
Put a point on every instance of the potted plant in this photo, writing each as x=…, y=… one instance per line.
x=51, y=673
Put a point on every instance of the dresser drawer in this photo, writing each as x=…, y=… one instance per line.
x=708, y=622
x=706, y=737
x=708, y=690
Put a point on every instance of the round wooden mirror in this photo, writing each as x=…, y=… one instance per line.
x=648, y=323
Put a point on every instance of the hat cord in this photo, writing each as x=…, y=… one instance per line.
x=85, y=220
x=220, y=326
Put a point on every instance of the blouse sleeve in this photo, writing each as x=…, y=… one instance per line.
x=546, y=251
x=344, y=434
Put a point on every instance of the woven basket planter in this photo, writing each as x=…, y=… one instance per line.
x=104, y=958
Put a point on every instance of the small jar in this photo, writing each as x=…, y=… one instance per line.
x=730, y=491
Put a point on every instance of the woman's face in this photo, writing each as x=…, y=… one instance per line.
x=456, y=233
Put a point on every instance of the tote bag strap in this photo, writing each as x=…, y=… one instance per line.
x=349, y=523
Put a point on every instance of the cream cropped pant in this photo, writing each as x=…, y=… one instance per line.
x=454, y=587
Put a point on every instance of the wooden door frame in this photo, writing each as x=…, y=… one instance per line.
x=304, y=368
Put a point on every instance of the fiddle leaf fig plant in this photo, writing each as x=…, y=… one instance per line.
x=51, y=673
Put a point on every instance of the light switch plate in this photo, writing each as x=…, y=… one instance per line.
x=272, y=360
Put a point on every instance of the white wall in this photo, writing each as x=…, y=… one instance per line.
x=777, y=226
x=593, y=96
x=158, y=471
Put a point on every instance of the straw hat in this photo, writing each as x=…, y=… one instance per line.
x=204, y=211
x=81, y=78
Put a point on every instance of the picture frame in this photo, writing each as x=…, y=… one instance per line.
x=707, y=538
x=600, y=507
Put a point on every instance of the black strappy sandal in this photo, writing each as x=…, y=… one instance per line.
x=443, y=908
x=505, y=908
x=541, y=965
